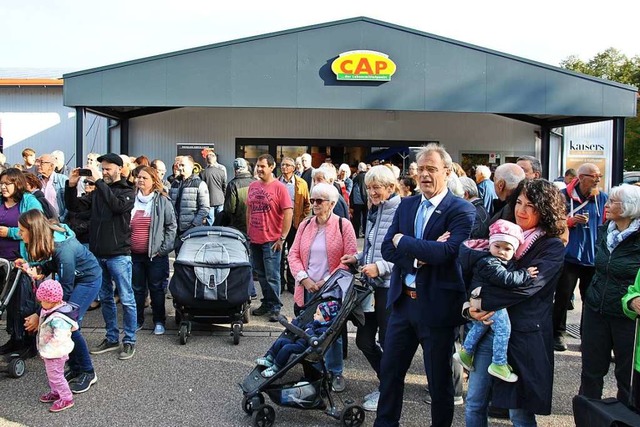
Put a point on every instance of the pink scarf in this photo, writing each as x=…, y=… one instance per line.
x=530, y=236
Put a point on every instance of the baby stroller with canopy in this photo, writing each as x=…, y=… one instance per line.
x=313, y=391
x=16, y=294
x=211, y=278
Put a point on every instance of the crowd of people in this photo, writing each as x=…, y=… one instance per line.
x=478, y=270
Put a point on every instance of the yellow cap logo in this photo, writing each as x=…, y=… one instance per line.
x=363, y=65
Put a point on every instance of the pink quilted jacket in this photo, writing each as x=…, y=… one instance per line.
x=337, y=245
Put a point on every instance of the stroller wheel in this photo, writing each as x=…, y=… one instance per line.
x=236, y=330
x=184, y=333
x=248, y=405
x=352, y=416
x=264, y=416
x=16, y=367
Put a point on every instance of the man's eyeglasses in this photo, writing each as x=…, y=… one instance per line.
x=286, y=165
x=40, y=162
x=317, y=201
x=592, y=175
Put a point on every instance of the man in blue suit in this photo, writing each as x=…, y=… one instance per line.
x=427, y=291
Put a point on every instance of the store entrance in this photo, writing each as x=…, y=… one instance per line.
x=338, y=151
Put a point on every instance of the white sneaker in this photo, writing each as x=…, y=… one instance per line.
x=370, y=395
x=371, y=404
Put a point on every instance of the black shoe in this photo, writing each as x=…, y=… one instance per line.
x=273, y=316
x=261, y=311
x=83, y=382
x=559, y=344
x=11, y=346
x=70, y=375
x=501, y=413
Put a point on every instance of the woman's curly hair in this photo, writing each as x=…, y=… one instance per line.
x=548, y=202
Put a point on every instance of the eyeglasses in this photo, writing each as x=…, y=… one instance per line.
x=612, y=202
x=6, y=184
x=430, y=169
x=317, y=201
x=375, y=188
x=594, y=176
x=40, y=162
x=286, y=165
x=89, y=183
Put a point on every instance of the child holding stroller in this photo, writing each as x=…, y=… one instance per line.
x=278, y=355
x=54, y=342
x=495, y=268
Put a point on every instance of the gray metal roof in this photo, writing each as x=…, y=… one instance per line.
x=291, y=69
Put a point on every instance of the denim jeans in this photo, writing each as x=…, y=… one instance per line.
x=479, y=390
x=83, y=294
x=266, y=265
x=214, y=211
x=501, y=328
x=150, y=274
x=118, y=269
x=333, y=356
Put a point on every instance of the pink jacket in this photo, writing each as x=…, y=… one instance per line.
x=337, y=245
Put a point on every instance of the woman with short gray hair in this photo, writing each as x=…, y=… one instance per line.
x=381, y=184
x=605, y=327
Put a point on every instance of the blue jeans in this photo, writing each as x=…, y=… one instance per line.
x=83, y=295
x=501, y=328
x=333, y=356
x=150, y=274
x=118, y=270
x=214, y=211
x=266, y=264
x=479, y=391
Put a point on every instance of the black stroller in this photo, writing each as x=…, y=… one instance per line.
x=17, y=292
x=211, y=280
x=311, y=391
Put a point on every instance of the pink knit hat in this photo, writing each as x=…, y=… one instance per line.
x=49, y=291
x=506, y=231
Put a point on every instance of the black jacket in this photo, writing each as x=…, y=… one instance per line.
x=615, y=272
x=110, y=206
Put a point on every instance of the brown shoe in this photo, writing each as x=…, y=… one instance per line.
x=94, y=305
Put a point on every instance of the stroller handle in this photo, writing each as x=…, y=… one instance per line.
x=293, y=328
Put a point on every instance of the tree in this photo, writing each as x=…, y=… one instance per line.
x=616, y=66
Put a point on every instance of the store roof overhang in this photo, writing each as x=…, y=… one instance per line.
x=292, y=69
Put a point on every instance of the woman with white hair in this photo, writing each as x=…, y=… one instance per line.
x=381, y=185
x=344, y=173
x=604, y=324
x=326, y=173
x=318, y=248
x=480, y=228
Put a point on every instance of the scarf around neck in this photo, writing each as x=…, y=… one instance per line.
x=615, y=236
x=144, y=203
x=530, y=236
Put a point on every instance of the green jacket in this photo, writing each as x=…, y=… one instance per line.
x=633, y=292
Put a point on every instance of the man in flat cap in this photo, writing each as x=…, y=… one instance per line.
x=110, y=241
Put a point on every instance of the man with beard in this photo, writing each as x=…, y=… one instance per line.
x=110, y=241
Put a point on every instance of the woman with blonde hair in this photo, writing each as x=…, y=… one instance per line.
x=153, y=231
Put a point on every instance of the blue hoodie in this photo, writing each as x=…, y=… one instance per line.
x=581, y=247
x=71, y=261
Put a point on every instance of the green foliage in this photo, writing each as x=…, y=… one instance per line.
x=616, y=66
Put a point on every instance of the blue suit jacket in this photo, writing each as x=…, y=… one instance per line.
x=439, y=285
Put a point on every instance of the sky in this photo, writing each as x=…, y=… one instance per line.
x=76, y=35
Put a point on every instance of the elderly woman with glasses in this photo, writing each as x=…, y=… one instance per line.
x=604, y=324
x=318, y=248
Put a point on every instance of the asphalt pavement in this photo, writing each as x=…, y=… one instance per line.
x=169, y=384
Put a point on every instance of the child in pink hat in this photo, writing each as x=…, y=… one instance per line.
x=54, y=342
x=494, y=268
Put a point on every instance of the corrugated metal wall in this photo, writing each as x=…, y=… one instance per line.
x=156, y=135
x=35, y=117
